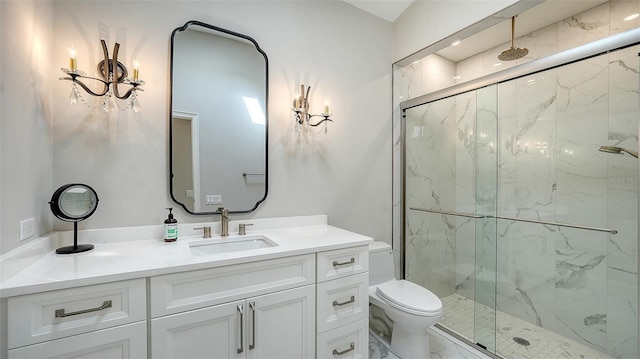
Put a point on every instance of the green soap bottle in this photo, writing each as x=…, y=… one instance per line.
x=170, y=228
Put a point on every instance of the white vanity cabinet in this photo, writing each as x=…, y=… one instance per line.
x=343, y=303
x=97, y=321
x=305, y=298
x=262, y=309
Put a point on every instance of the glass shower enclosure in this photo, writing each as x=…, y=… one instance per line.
x=521, y=205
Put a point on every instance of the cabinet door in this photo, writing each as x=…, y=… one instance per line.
x=123, y=342
x=282, y=324
x=212, y=332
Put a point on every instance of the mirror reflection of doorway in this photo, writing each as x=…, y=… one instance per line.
x=186, y=158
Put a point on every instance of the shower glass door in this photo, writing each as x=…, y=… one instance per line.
x=450, y=177
x=570, y=287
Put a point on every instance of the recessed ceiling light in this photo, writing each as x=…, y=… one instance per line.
x=631, y=17
x=456, y=43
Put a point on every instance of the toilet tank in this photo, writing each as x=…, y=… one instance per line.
x=381, y=268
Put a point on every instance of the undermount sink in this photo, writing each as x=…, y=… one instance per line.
x=233, y=244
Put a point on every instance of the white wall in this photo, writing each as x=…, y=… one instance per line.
x=25, y=117
x=346, y=174
x=426, y=22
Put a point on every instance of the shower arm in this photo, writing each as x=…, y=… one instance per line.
x=513, y=32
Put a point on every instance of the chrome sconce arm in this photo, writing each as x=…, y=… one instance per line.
x=302, y=115
x=112, y=73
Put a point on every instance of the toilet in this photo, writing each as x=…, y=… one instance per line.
x=412, y=308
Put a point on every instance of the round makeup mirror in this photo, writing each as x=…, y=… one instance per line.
x=73, y=203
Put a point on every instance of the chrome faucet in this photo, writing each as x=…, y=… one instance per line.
x=224, y=221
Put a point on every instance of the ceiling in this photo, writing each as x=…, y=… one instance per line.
x=386, y=9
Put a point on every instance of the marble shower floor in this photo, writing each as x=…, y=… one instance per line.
x=543, y=344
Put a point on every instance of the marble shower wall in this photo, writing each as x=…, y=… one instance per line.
x=580, y=284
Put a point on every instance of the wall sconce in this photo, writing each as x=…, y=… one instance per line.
x=303, y=117
x=112, y=73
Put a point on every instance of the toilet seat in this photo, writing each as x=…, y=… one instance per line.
x=410, y=297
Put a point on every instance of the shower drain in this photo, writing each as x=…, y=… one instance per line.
x=521, y=341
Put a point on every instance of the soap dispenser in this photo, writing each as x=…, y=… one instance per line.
x=170, y=228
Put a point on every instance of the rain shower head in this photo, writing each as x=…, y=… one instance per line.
x=513, y=53
x=618, y=150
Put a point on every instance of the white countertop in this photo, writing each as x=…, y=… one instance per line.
x=127, y=256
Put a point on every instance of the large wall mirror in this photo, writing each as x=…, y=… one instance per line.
x=219, y=121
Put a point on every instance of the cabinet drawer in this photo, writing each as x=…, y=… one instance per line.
x=347, y=342
x=342, y=262
x=174, y=293
x=125, y=342
x=342, y=301
x=39, y=317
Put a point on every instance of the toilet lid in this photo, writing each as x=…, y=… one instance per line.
x=410, y=297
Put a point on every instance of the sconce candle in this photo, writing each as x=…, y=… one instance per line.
x=326, y=107
x=73, y=62
x=136, y=69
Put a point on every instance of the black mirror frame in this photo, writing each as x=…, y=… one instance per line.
x=266, y=114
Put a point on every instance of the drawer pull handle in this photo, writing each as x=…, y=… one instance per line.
x=352, y=261
x=252, y=306
x=352, y=300
x=241, y=349
x=60, y=313
x=351, y=348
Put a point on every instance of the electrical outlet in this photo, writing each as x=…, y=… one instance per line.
x=27, y=228
x=213, y=199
